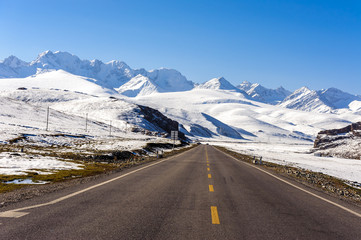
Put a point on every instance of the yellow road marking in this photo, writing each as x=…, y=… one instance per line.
x=209, y=175
x=214, y=212
x=208, y=164
x=208, y=169
x=207, y=155
x=211, y=189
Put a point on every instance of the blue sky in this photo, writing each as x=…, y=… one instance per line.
x=273, y=42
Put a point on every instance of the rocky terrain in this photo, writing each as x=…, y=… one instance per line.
x=343, y=142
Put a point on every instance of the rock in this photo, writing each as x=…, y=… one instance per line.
x=334, y=142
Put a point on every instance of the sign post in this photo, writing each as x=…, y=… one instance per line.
x=174, y=136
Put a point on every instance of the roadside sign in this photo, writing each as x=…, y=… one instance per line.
x=174, y=135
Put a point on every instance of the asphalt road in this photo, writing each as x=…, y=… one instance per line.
x=200, y=194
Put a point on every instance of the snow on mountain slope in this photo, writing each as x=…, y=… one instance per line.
x=307, y=100
x=337, y=98
x=138, y=86
x=123, y=115
x=24, y=113
x=19, y=117
x=162, y=80
x=58, y=79
x=195, y=123
x=355, y=106
x=262, y=94
x=111, y=75
x=12, y=67
x=170, y=80
x=218, y=83
x=321, y=101
x=253, y=120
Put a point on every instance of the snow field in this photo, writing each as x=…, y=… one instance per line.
x=298, y=156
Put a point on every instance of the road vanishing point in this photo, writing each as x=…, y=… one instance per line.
x=202, y=193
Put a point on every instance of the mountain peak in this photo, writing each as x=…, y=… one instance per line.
x=245, y=86
x=262, y=94
x=169, y=80
x=218, y=83
x=303, y=89
x=13, y=62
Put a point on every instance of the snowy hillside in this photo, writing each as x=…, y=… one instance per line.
x=25, y=111
x=306, y=100
x=138, y=86
x=262, y=94
x=56, y=79
x=320, y=101
x=252, y=120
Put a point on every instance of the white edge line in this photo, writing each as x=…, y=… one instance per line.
x=94, y=186
x=299, y=188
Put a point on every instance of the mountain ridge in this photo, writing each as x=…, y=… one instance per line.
x=119, y=77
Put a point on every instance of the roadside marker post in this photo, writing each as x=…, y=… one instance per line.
x=47, y=119
x=174, y=137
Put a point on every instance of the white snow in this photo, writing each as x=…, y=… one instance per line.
x=218, y=83
x=138, y=86
x=297, y=155
x=262, y=94
x=324, y=101
x=56, y=79
x=253, y=120
x=76, y=90
x=11, y=164
x=110, y=76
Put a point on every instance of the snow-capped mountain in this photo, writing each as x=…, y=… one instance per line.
x=262, y=94
x=110, y=75
x=155, y=81
x=66, y=71
x=169, y=80
x=218, y=83
x=57, y=79
x=320, y=101
x=13, y=67
x=138, y=86
x=338, y=98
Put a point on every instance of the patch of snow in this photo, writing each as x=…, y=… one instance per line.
x=297, y=155
x=21, y=164
x=25, y=181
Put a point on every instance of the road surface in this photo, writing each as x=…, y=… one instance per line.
x=199, y=194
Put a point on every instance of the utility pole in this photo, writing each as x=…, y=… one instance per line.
x=110, y=128
x=86, y=123
x=47, y=119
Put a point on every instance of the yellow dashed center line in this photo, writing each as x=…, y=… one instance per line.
x=214, y=213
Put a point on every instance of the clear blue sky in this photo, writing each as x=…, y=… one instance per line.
x=314, y=43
